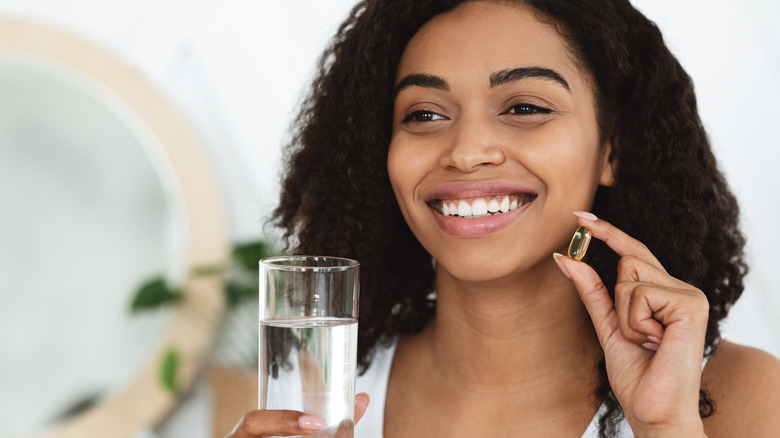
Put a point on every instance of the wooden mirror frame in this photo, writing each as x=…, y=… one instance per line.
x=184, y=171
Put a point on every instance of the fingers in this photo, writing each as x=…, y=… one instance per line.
x=635, y=317
x=653, y=308
x=345, y=430
x=347, y=426
x=361, y=404
x=620, y=242
x=647, y=299
x=594, y=295
x=644, y=295
x=640, y=311
x=263, y=423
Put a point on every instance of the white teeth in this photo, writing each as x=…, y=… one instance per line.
x=480, y=207
x=505, y=204
x=464, y=209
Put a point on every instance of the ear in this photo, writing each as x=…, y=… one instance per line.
x=608, y=164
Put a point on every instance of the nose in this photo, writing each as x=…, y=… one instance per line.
x=474, y=144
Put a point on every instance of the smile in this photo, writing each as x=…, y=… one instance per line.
x=480, y=207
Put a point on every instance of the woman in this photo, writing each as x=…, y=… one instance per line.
x=467, y=133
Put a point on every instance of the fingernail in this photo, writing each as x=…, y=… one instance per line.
x=556, y=256
x=586, y=215
x=310, y=422
x=654, y=339
x=652, y=346
x=364, y=395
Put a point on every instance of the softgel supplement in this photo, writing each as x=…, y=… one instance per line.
x=579, y=243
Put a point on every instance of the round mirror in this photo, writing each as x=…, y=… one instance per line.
x=103, y=186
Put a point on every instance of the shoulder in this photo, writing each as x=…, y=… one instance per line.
x=744, y=383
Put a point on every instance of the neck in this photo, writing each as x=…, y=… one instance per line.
x=516, y=333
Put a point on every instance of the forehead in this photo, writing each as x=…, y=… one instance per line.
x=483, y=37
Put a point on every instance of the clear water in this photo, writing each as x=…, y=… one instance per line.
x=308, y=364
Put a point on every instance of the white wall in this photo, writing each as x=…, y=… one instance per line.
x=236, y=68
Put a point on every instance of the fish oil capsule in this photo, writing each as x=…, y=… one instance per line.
x=579, y=243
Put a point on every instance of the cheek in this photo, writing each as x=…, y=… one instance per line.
x=409, y=162
x=394, y=168
x=569, y=165
x=402, y=173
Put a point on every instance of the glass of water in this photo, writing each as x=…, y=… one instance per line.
x=308, y=338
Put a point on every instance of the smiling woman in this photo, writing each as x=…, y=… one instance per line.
x=519, y=124
x=472, y=323
x=225, y=62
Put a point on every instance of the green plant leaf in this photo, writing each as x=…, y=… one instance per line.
x=248, y=254
x=238, y=293
x=154, y=293
x=169, y=370
x=205, y=271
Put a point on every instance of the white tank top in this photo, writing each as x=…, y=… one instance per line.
x=374, y=383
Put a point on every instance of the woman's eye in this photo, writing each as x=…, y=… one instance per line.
x=527, y=109
x=422, y=116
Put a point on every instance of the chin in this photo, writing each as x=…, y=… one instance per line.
x=479, y=270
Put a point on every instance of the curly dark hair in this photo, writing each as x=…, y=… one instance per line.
x=668, y=192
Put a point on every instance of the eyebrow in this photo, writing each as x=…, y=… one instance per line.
x=516, y=74
x=422, y=80
x=496, y=79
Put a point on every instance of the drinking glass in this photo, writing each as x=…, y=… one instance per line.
x=308, y=338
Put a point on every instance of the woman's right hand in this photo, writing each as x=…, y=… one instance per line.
x=263, y=423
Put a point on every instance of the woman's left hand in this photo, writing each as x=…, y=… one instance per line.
x=652, y=334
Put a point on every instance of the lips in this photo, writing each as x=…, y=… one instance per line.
x=474, y=209
x=480, y=207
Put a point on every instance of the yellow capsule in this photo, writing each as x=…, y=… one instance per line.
x=579, y=243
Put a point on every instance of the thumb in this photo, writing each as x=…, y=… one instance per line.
x=593, y=294
x=361, y=404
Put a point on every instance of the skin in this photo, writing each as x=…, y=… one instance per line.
x=478, y=137
x=497, y=357
x=262, y=423
x=513, y=316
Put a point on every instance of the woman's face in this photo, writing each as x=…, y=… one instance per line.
x=495, y=141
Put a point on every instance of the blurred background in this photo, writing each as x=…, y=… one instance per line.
x=96, y=202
